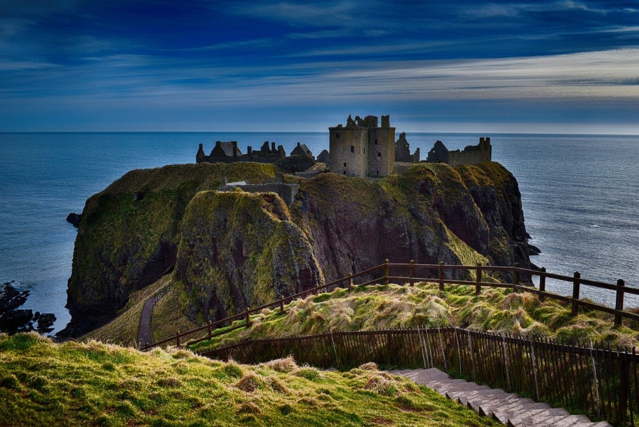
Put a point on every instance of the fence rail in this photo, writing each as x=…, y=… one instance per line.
x=587, y=378
x=445, y=275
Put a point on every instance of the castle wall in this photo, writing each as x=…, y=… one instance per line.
x=349, y=149
x=381, y=158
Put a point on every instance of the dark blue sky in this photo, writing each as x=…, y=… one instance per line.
x=527, y=66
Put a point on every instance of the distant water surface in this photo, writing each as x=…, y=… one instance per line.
x=579, y=197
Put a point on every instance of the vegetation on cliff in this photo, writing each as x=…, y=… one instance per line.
x=393, y=306
x=239, y=250
x=128, y=235
x=42, y=383
x=234, y=250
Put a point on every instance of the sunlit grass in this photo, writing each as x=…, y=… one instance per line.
x=42, y=383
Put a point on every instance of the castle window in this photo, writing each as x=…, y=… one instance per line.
x=337, y=136
x=375, y=142
x=344, y=164
x=379, y=155
x=352, y=148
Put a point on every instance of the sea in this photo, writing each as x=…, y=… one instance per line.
x=579, y=195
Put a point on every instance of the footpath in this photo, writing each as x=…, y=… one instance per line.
x=144, y=333
x=507, y=408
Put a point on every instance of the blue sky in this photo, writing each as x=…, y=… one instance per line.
x=457, y=66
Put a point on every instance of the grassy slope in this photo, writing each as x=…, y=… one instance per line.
x=42, y=383
x=373, y=307
x=123, y=329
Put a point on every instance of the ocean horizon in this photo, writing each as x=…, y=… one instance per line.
x=578, y=195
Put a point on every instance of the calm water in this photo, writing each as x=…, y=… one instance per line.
x=579, y=197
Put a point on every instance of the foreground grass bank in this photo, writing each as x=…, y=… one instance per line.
x=394, y=306
x=42, y=383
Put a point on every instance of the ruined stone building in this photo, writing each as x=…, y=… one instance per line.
x=362, y=148
x=302, y=150
x=402, y=150
x=471, y=154
x=228, y=152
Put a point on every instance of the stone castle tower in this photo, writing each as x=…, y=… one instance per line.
x=363, y=148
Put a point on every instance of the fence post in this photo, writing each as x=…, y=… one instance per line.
x=350, y=280
x=210, y=330
x=441, y=275
x=619, y=304
x=386, y=272
x=411, y=272
x=542, y=283
x=177, y=337
x=516, y=278
x=478, y=280
x=624, y=386
x=282, y=305
x=575, y=293
x=248, y=321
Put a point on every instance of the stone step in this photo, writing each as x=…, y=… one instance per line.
x=507, y=408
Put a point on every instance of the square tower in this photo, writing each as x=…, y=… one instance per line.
x=362, y=148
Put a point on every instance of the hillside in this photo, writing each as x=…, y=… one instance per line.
x=230, y=251
x=393, y=306
x=42, y=383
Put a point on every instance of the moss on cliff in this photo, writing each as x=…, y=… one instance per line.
x=128, y=234
x=239, y=250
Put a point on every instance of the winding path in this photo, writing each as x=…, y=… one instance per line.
x=144, y=332
x=507, y=408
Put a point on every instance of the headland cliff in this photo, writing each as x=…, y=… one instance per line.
x=227, y=251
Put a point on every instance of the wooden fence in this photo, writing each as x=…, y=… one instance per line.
x=587, y=378
x=439, y=274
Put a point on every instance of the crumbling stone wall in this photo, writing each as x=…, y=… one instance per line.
x=471, y=155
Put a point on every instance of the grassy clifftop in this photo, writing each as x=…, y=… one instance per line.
x=393, y=306
x=42, y=383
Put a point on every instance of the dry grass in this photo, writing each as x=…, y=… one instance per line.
x=393, y=306
x=42, y=383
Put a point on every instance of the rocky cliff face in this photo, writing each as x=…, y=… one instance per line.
x=429, y=213
x=241, y=250
x=235, y=250
x=128, y=234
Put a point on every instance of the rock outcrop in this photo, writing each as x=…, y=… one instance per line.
x=241, y=250
x=429, y=213
x=129, y=233
x=234, y=250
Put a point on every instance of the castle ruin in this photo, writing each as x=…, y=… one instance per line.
x=402, y=150
x=362, y=148
x=471, y=154
x=228, y=152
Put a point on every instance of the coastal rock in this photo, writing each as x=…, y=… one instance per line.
x=126, y=242
x=428, y=214
x=241, y=250
x=74, y=219
x=235, y=250
x=13, y=320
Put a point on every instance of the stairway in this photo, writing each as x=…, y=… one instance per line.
x=507, y=408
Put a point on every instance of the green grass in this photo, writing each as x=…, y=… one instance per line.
x=123, y=329
x=394, y=306
x=43, y=383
